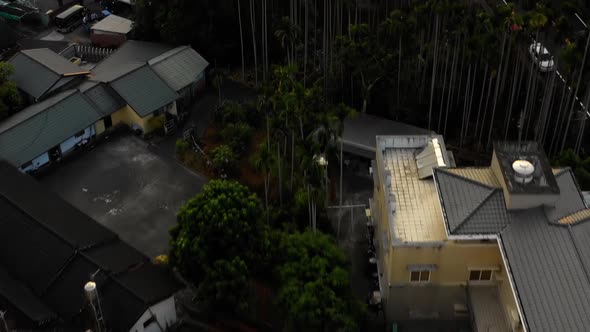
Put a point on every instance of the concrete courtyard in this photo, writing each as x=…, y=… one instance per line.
x=128, y=186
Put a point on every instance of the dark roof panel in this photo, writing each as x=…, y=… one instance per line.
x=25, y=69
x=21, y=297
x=116, y=257
x=179, y=67
x=36, y=129
x=460, y=197
x=31, y=253
x=75, y=227
x=130, y=56
x=144, y=91
x=49, y=251
x=141, y=282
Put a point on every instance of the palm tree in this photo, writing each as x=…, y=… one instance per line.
x=288, y=34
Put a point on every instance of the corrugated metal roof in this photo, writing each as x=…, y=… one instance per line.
x=114, y=24
x=179, y=67
x=144, y=91
x=44, y=125
x=130, y=56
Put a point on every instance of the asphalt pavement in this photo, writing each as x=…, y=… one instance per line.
x=128, y=187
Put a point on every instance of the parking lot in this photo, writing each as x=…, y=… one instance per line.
x=126, y=185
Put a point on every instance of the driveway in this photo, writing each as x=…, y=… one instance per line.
x=129, y=187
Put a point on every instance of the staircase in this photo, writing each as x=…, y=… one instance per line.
x=170, y=127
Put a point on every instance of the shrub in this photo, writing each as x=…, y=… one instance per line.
x=182, y=147
x=231, y=112
x=224, y=160
x=237, y=136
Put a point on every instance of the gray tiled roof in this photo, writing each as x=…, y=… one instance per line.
x=130, y=56
x=44, y=125
x=550, y=277
x=179, y=67
x=104, y=98
x=470, y=207
x=489, y=218
x=144, y=90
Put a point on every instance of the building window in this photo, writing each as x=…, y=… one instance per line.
x=480, y=275
x=420, y=276
x=79, y=134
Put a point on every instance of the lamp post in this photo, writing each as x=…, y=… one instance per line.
x=322, y=161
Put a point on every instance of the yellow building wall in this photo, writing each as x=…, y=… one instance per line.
x=128, y=116
x=99, y=127
x=453, y=261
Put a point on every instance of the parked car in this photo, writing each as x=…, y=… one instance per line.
x=541, y=57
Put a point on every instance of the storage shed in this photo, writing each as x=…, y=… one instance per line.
x=112, y=31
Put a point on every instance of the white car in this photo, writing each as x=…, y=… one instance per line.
x=541, y=57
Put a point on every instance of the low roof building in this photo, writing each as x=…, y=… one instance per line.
x=113, y=24
x=38, y=72
x=49, y=250
x=43, y=125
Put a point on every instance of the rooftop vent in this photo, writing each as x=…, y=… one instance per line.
x=523, y=171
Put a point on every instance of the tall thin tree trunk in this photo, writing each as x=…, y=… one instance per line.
x=569, y=119
x=252, y=19
x=433, y=75
x=241, y=39
x=496, y=92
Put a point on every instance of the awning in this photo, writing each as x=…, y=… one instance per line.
x=422, y=267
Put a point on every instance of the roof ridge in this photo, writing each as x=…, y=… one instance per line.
x=477, y=207
x=172, y=52
x=445, y=169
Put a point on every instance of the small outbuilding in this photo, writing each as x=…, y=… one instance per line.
x=112, y=31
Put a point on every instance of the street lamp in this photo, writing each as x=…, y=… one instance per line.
x=323, y=161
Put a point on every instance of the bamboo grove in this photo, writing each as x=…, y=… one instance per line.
x=459, y=68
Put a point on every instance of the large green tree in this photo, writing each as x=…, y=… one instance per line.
x=315, y=285
x=223, y=223
x=10, y=99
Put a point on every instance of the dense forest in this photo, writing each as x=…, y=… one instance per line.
x=450, y=66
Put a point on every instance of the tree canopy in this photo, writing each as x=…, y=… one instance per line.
x=580, y=166
x=315, y=285
x=222, y=223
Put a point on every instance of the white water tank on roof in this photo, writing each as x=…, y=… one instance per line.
x=523, y=171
